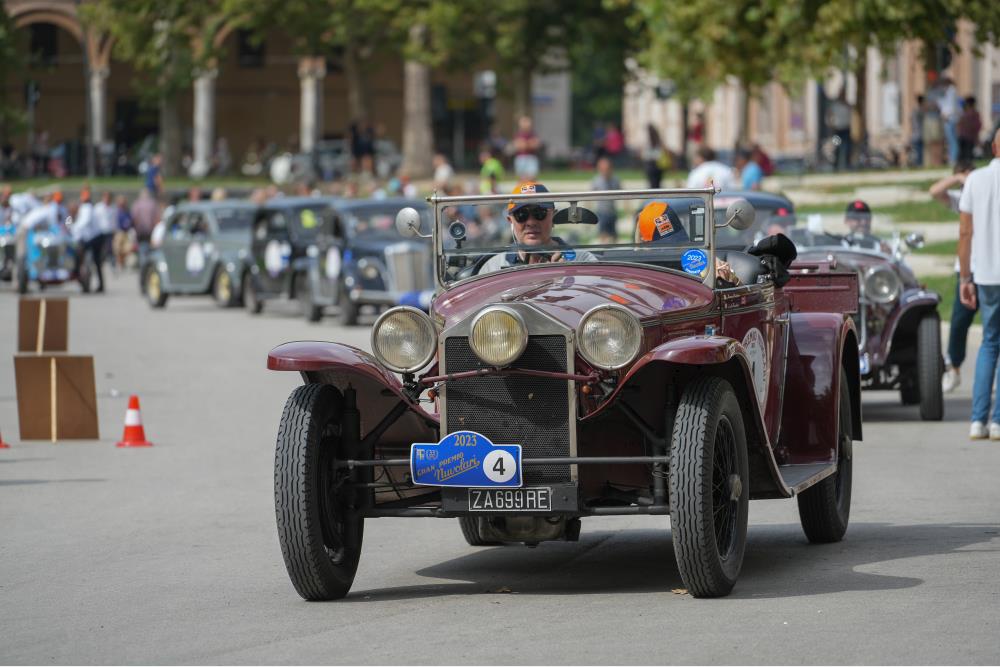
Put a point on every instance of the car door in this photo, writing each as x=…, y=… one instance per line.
x=196, y=266
x=271, y=249
x=173, y=246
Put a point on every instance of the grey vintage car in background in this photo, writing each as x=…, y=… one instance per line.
x=204, y=249
x=900, y=335
x=376, y=266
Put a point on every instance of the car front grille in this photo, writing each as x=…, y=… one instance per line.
x=53, y=257
x=409, y=267
x=521, y=410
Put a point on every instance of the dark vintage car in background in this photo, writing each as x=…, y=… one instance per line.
x=378, y=267
x=620, y=379
x=288, y=233
x=775, y=214
x=8, y=250
x=900, y=343
x=203, y=251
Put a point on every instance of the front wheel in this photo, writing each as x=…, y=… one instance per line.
x=930, y=368
x=222, y=289
x=709, y=487
x=349, y=310
x=251, y=301
x=303, y=294
x=155, y=295
x=825, y=509
x=320, y=534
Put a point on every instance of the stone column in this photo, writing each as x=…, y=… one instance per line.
x=98, y=81
x=204, y=122
x=312, y=71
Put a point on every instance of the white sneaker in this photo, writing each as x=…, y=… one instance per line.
x=978, y=431
x=951, y=379
x=994, y=431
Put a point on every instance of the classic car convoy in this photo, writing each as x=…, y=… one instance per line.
x=666, y=375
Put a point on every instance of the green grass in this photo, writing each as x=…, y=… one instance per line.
x=902, y=212
x=949, y=247
x=945, y=286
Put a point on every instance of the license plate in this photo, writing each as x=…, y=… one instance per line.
x=532, y=499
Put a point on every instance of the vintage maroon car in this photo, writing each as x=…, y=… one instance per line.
x=897, y=318
x=618, y=379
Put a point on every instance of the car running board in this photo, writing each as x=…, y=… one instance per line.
x=800, y=477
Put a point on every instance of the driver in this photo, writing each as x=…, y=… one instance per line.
x=858, y=218
x=531, y=226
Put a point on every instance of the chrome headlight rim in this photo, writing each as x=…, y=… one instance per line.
x=872, y=296
x=421, y=316
x=522, y=343
x=581, y=347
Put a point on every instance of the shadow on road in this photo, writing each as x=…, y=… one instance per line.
x=779, y=563
x=956, y=409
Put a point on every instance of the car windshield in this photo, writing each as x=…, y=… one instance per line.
x=234, y=219
x=306, y=221
x=662, y=228
x=378, y=222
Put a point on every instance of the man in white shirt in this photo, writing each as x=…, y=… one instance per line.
x=443, y=173
x=709, y=172
x=89, y=237
x=47, y=213
x=950, y=105
x=979, y=217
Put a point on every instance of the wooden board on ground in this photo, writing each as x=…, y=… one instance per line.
x=56, y=397
x=43, y=325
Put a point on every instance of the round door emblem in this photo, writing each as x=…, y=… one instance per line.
x=333, y=263
x=194, y=260
x=753, y=344
x=274, y=258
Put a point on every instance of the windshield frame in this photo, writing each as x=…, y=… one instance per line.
x=439, y=203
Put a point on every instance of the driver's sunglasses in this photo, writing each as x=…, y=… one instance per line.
x=537, y=212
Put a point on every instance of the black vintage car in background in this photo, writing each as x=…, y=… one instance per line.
x=285, y=241
x=376, y=266
x=775, y=214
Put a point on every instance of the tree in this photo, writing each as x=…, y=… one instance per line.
x=157, y=38
x=12, y=120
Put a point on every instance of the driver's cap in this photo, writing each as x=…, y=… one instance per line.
x=655, y=221
x=857, y=208
x=527, y=188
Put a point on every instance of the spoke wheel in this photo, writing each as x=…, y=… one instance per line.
x=251, y=301
x=222, y=289
x=319, y=531
x=154, y=289
x=709, y=487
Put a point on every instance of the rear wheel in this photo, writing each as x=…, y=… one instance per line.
x=223, y=293
x=303, y=294
x=825, y=509
x=709, y=487
x=930, y=368
x=348, y=309
x=155, y=295
x=251, y=301
x=473, y=533
x=320, y=534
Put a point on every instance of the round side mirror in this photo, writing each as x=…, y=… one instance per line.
x=915, y=240
x=408, y=222
x=740, y=214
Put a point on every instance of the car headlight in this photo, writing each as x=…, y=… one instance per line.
x=609, y=337
x=368, y=270
x=882, y=285
x=403, y=339
x=499, y=335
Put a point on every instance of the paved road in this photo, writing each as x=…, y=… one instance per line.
x=169, y=554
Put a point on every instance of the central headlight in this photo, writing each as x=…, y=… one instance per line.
x=882, y=285
x=403, y=339
x=609, y=337
x=499, y=336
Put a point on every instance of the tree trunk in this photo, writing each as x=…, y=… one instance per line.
x=358, y=105
x=859, y=114
x=743, y=134
x=170, y=135
x=522, y=94
x=418, y=134
x=685, y=129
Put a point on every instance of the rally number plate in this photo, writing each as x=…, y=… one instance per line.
x=465, y=458
x=532, y=499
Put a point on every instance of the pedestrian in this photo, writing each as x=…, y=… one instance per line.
x=107, y=223
x=154, y=177
x=948, y=191
x=123, y=233
x=917, y=133
x=709, y=172
x=933, y=133
x=607, y=215
x=760, y=156
x=145, y=215
x=979, y=221
x=968, y=129
x=949, y=104
x=526, y=148
x=443, y=172
x=614, y=142
x=750, y=173
x=86, y=231
x=653, y=156
x=838, y=119
x=491, y=171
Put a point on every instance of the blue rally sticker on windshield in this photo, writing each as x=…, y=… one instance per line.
x=465, y=458
x=569, y=255
x=694, y=262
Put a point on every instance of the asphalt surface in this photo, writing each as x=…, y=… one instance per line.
x=170, y=554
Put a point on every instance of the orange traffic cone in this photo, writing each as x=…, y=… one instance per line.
x=3, y=445
x=134, y=435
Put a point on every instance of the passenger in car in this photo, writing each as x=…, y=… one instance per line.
x=658, y=223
